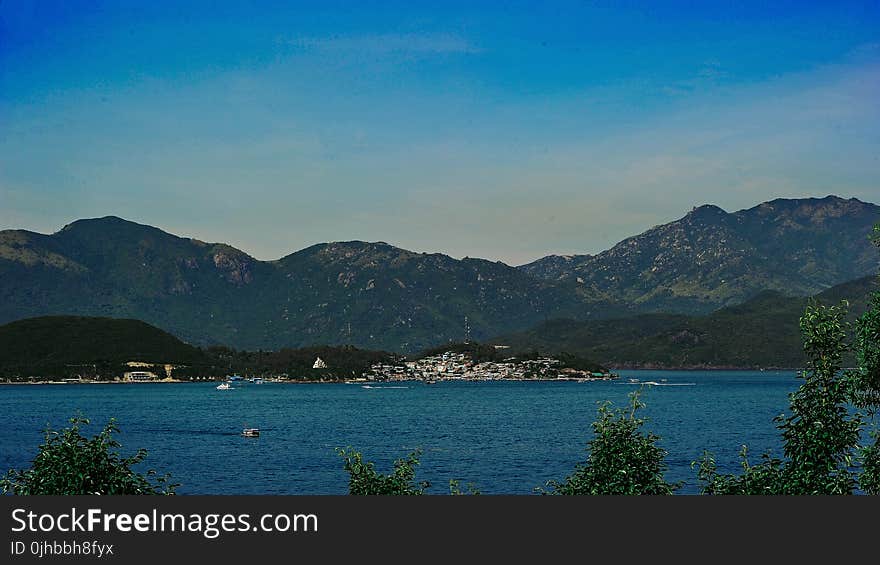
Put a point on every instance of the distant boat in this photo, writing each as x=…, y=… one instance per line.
x=224, y=386
x=251, y=432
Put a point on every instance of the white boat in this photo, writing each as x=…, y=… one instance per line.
x=224, y=386
x=251, y=432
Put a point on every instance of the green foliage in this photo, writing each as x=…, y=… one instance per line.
x=343, y=361
x=622, y=459
x=67, y=346
x=365, y=480
x=866, y=377
x=759, y=479
x=455, y=488
x=97, y=348
x=68, y=463
x=820, y=436
x=865, y=382
x=869, y=479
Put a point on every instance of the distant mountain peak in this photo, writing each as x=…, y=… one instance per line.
x=109, y=227
x=102, y=221
x=358, y=244
x=355, y=250
x=707, y=209
x=712, y=258
x=706, y=213
x=811, y=202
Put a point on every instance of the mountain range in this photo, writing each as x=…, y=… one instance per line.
x=711, y=258
x=378, y=296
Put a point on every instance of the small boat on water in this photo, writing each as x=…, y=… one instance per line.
x=251, y=432
x=224, y=386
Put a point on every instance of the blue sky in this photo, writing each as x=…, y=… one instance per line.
x=474, y=129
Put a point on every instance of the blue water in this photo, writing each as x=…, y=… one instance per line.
x=506, y=437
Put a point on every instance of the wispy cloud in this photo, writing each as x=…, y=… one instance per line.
x=388, y=43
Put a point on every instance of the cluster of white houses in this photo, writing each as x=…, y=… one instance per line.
x=460, y=366
x=444, y=366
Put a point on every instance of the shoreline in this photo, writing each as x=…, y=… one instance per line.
x=650, y=367
x=323, y=382
x=615, y=372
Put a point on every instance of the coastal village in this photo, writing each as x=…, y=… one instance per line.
x=445, y=366
x=459, y=366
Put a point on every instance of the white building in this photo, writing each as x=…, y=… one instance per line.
x=140, y=376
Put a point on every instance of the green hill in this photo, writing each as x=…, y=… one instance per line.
x=763, y=332
x=342, y=362
x=67, y=346
x=57, y=345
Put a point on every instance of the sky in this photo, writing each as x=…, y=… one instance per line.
x=507, y=131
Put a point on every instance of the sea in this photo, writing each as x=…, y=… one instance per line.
x=503, y=437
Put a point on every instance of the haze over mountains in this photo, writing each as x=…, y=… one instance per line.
x=378, y=296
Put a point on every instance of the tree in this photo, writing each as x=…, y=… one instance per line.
x=821, y=435
x=365, y=480
x=455, y=488
x=869, y=480
x=622, y=459
x=865, y=382
x=764, y=478
x=68, y=463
